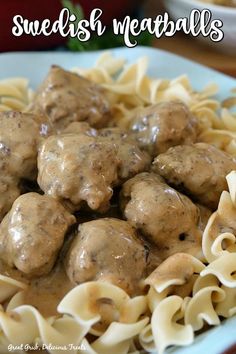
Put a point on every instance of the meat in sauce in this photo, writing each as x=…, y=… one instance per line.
x=77, y=168
x=32, y=233
x=65, y=97
x=107, y=249
x=167, y=218
x=163, y=125
x=133, y=160
x=9, y=191
x=83, y=168
x=199, y=170
x=19, y=138
x=80, y=128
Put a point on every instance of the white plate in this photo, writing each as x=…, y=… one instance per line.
x=161, y=64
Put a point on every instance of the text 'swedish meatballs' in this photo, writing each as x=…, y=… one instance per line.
x=163, y=125
x=200, y=170
x=65, y=97
x=32, y=233
x=78, y=168
x=164, y=216
x=107, y=249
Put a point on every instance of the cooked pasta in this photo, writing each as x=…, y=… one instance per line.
x=175, y=270
x=14, y=94
x=200, y=308
x=183, y=293
x=166, y=330
x=227, y=307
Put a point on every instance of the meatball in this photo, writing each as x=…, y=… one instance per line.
x=133, y=160
x=80, y=128
x=9, y=191
x=109, y=250
x=163, y=125
x=81, y=168
x=167, y=219
x=65, y=97
x=19, y=136
x=77, y=168
x=32, y=233
x=205, y=214
x=199, y=169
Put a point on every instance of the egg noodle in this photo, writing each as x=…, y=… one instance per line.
x=183, y=294
x=14, y=94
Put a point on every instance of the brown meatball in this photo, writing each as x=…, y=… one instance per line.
x=80, y=128
x=78, y=167
x=165, y=217
x=107, y=249
x=32, y=233
x=163, y=125
x=132, y=159
x=198, y=169
x=81, y=167
x=65, y=97
x=205, y=214
x=9, y=191
x=19, y=136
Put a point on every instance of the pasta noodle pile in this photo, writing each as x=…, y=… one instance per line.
x=184, y=295
x=14, y=94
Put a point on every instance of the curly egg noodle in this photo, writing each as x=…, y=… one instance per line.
x=183, y=294
x=14, y=94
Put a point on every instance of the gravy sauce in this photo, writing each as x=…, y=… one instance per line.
x=44, y=293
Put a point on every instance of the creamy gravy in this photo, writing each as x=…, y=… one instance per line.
x=44, y=293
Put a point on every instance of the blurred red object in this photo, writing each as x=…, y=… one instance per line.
x=42, y=9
